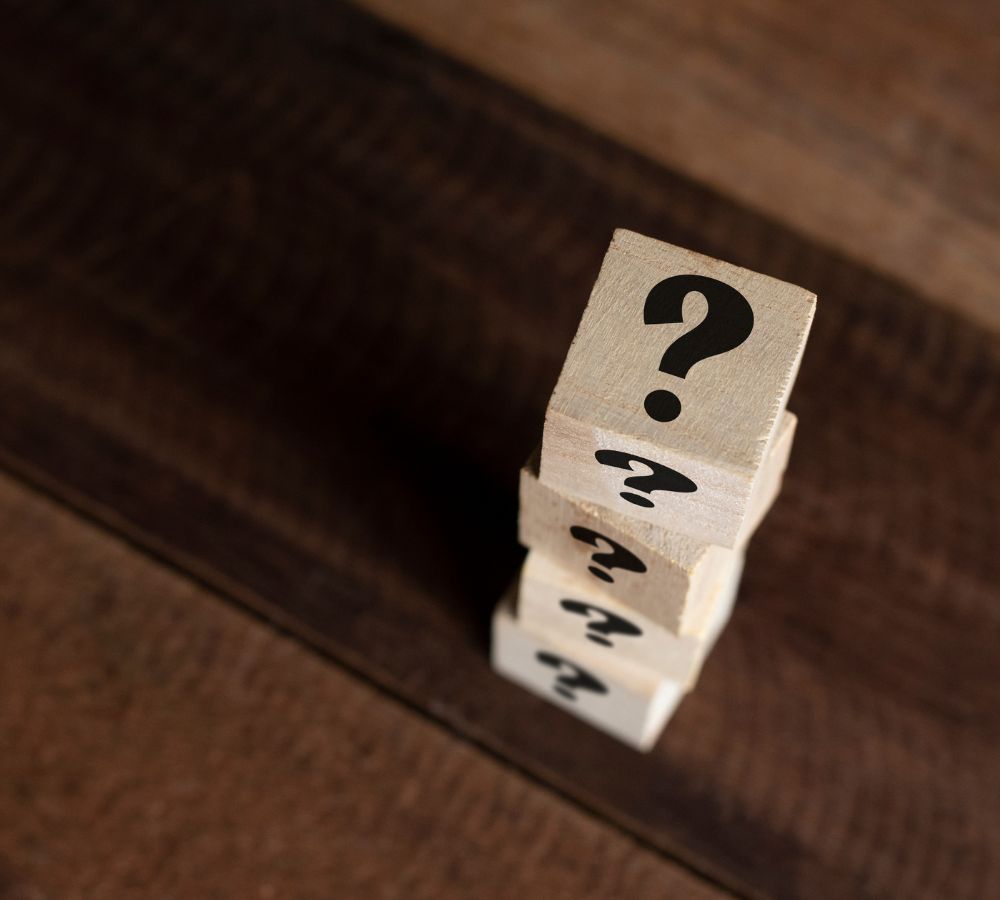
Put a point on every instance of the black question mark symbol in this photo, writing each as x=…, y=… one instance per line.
x=662, y=479
x=727, y=324
x=619, y=558
x=612, y=624
x=564, y=685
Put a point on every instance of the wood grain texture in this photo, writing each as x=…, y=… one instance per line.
x=628, y=702
x=663, y=574
x=283, y=295
x=160, y=744
x=550, y=600
x=874, y=129
x=694, y=465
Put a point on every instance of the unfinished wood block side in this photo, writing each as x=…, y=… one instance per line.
x=689, y=464
x=623, y=702
x=602, y=629
x=661, y=573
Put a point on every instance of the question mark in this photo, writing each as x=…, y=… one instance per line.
x=727, y=324
x=619, y=558
x=662, y=479
x=612, y=624
x=564, y=684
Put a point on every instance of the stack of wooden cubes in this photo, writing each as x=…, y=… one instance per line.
x=664, y=446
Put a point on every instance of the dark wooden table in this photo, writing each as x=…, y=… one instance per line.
x=283, y=293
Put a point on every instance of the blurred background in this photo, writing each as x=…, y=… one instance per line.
x=284, y=288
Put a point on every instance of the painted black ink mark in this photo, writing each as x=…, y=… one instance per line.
x=662, y=478
x=618, y=558
x=727, y=324
x=599, y=629
x=577, y=679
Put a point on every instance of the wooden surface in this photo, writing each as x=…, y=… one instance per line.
x=874, y=128
x=630, y=703
x=282, y=299
x=606, y=631
x=617, y=431
x=160, y=744
x=671, y=581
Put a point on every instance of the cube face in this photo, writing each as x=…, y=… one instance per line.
x=664, y=446
x=626, y=703
x=660, y=573
x=729, y=375
x=663, y=581
x=602, y=629
x=634, y=479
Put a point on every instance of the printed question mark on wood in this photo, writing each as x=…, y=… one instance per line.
x=727, y=324
x=579, y=679
x=663, y=478
x=596, y=630
x=618, y=558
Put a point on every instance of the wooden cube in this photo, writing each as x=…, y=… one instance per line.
x=671, y=395
x=629, y=703
x=664, y=575
x=553, y=601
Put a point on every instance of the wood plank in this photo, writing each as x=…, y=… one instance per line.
x=283, y=297
x=159, y=743
x=872, y=129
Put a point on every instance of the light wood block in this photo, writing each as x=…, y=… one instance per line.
x=553, y=601
x=629, y=703
x=660, y=573
x=671, y=422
